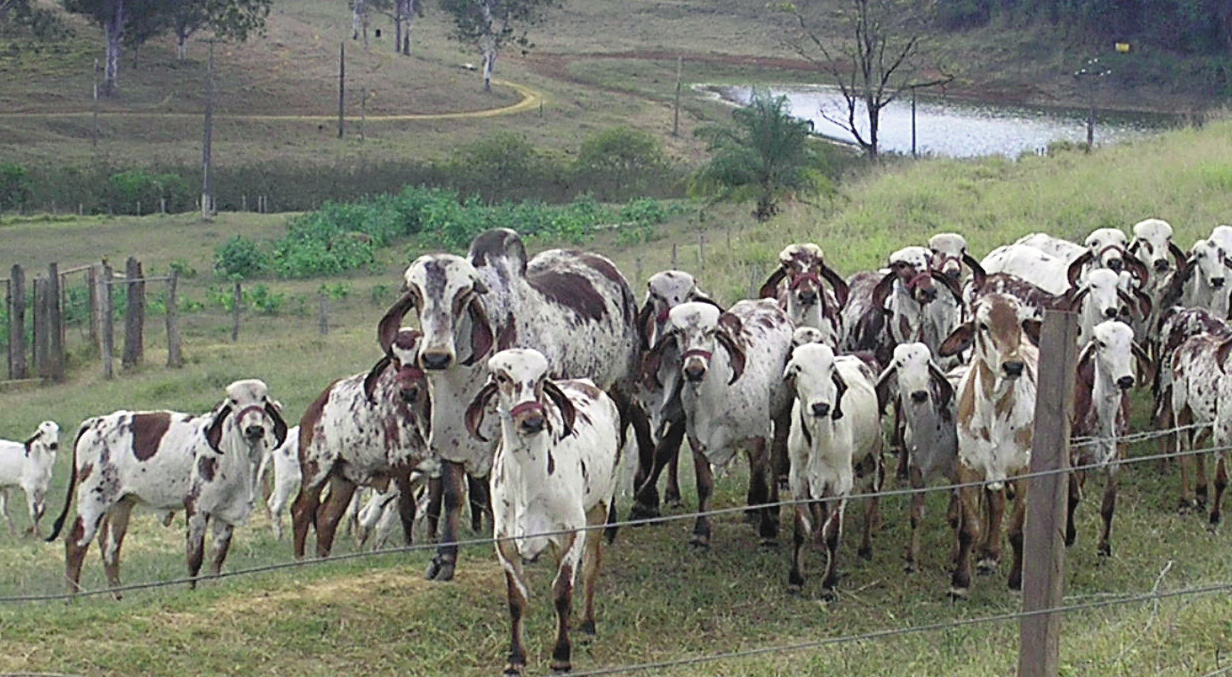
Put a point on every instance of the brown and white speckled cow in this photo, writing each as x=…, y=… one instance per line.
x=368, y=429
x=574, y=307
x=996, y=410
x=169, y=461
x=1200, y=365
x=797, y=284
x=554, y=471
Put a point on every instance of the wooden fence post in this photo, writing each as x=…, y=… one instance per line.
x=235, y=309
x=92, y=274
x=18, y=368
x=55, y=325
x=323, y=322
x=106, y=320
x=1043, y=575
x=40, y=327
x=134, y=315
x=674, y=264
x=174, y=360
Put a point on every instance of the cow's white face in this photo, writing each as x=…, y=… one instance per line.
x=255, y=418
x=696, y=326
x=1102, y=286
x=912, y=265
x=814, y=375
x=910, y=363
x=1208, y=260
x=1108, y=245
x=519, y=375
x=1221, y=237
x=803, y=263
x=947, y=252
x=664, y=291
x=443, y=286
x=1152, y=240
x=805, y=335
x=48, y=435
x=1112, y=343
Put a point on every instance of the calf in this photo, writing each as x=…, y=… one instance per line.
x=796, y=283
x=1101, y=413
x=284, y=463
x=731, y=365
x=169, y=461
x=553, y=484
x=1201, y=282
x=835, y=436
x=949, y=252
x=367, y=429
x=995, y=414
x=1153, y=245
x=28, y=465
x=924, y=397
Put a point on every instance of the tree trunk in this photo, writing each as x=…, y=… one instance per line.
x=409, y=17
x=489, y=62
x=181, y=44
x=874, y=121
x=357, y=18
x=115, y=30
x=398, y=8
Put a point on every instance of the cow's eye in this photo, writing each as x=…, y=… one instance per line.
x=1101, y=344
x=502, y=379
x=983, y=327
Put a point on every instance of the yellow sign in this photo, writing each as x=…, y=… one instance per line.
x=1122, y=47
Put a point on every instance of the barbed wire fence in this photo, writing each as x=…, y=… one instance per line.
x=1045, y=608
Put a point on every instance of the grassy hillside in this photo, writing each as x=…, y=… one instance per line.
x=657, y=599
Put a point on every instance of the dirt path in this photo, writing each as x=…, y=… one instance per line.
x=531, y=100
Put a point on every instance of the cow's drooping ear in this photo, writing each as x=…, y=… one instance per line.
x=374, y=375
x=1031, y=327
x=644, y=326
x=958, y=340
x=841, y=291
x=213, y=434
x=944, y=388
x=280, y=425
x=883, y=289
x=1136, y=268
x=653, y=359
x=700, y=296
x=567, y=411
x=474, y=412
x=978, y=275
x=839, y=383
x=1074, y=272
x=883, y=386
x=729, y=329
x=481, y=330
x=1146, y=368
x=387, y=328
x=1177, y=255
x=770, y=288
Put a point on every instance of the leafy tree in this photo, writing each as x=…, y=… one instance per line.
x=876, y=62
x=226, y=19
x=493, y=24
x=111, y=15
x=624, y=157
x=766, y=155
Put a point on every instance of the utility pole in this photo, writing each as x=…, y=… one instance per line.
x=341, y=86
x=207, y=196
x=1092, y=70
x=94, y=129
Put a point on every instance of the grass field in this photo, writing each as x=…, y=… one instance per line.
x=657, y=599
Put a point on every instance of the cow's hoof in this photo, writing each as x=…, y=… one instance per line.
x=673, y=499
x=958, y=594
x=641, y=511
x=986, y=566
x=439, y=570
x=865, y=553
x=829, y=595
x=588, y=628
x=770, y=543
x=700, y=543
x=561, y=668
x=513, y=671
x=910, y=567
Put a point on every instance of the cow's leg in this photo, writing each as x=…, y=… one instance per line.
x=1164, y=421
x=671, y=493
x=591, y=561
x=705, y=487
x=990, y=549
x=1077, y=480
x=780, y=459
x=1221, y=484
x=646, y=499
x=1184, y=442
x=304, y=512
x=36, y=500
x=515, y=583
x=916, y=513
x=632, y=414
x=968, y=532
x=1200, y=486
x=1015, y=533
x=763, y=490
x=832, y=533
x=872, y=516
x=406, y=506
x=220, y=546
x=4, y=508
x=452, y=480
x=1106, y=510
x=571, y=548
x=801, y=536
x=90, y=516
x=435, y=494
x=116, y=527
x=341, y=491
x=480, y=501
x=197, y=522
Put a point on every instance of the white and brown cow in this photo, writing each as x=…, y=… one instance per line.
x=1200, y=365
x=169, y=461
x=553, y=483
x=364, y=430
x=797, y=284
x=1101, y=415
x=28, y=465
x=574, y=307
x=996, y=409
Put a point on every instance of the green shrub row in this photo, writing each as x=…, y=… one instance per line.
x=341, y=237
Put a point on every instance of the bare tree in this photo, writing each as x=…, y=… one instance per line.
x=491, y=24
x=876, y=59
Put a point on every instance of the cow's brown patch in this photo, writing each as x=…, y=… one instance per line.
x=308, y=422
x=208, y=467
x=1022, y=437
x=508, y=336
x=84, y=473
x=148, y=430
x=572, y=291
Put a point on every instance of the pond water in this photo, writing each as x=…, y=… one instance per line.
x=958, y=128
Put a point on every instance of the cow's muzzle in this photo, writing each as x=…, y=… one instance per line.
x=1110, y=313
x=1013, y=368
x=529, y=417
x=1115, y=265
x=820, y=409
x=1125, y=382
x=1217, y=282
x=254, y=432
x=1162, y=265
x=435, y=360
x=919, y=396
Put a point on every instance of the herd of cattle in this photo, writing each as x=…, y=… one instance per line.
x=524, y=377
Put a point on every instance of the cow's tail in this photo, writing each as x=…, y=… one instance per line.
x=72, y=484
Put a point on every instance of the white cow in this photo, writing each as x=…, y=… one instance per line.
x=28, y=465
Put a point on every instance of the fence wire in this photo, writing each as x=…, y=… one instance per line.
x=661, y=519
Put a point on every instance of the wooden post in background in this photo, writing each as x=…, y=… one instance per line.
x=237, y=302
x=18, y=368
x=92, y=274
x=55, y=325
x=174, y=360
x=107, y=321
x=323, y=321
x=40, y=327
x=676, y=107
x=1043, y=574
x=341, y=86
x=134, y=315
x=207, y=191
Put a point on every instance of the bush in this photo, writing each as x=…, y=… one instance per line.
x=14, y=186
x=621, y=161
x=138, y=192
x=240, y=257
